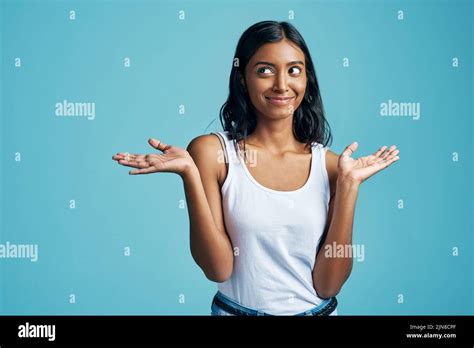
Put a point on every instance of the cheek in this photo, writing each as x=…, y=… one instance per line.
x=258, y=86
x=300, y=88
x=256, y=92
x=257, y=100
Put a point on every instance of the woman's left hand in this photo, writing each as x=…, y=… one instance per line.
x=360, y=169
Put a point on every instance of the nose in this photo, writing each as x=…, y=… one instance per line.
x=280, y=84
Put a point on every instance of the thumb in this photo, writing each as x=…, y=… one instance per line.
x=349, y=150
x=157, y=144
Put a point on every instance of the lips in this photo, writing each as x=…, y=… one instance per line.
x=279, y=100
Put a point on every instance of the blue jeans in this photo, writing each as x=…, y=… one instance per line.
x=223, y=305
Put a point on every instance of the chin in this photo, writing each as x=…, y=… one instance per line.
x=279, y=114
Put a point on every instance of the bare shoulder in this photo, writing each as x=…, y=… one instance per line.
x=206, y=151
x=332, y=159
x=203, y=143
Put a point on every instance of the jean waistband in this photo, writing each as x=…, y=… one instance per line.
x=324, y=308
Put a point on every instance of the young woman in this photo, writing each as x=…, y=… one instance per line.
x=266, y=195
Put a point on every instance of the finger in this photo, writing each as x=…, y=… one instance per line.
x=135, y=164
x=349, y=150
x=157, y=144
x=127, y=156
x=383, y=163
x=388, y=152
x=137, y=158
x=391, y=161
x=390, y=155
x=120, y=157
x=379, y=151
x=142, y=171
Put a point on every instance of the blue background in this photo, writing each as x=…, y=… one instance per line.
x=187, y=62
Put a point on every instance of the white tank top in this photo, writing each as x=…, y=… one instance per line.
x=274, y=235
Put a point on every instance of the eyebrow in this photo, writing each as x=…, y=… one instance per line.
x=290, y=63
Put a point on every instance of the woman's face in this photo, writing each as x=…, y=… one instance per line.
x=275, y=78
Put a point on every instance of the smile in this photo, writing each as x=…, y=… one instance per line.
x=280, y=100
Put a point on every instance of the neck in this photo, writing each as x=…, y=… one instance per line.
x=275, y=135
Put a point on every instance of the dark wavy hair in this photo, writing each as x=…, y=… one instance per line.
x=237, y=115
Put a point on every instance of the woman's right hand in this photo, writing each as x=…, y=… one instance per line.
x=173, y=160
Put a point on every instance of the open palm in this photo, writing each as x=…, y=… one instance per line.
x=362, y=168
x=174, y=159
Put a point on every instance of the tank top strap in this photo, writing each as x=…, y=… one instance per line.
x=230, y=156
x=319, y=151
x=229, y=146
x=223, y=144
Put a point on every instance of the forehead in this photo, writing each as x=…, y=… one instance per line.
x=279, y=52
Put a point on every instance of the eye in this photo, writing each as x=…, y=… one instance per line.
x=264, y=68
x=296, y=67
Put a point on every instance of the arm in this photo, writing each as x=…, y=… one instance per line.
x=330, y=273
x=345, y=176
x=200, y=170
x=210, y=245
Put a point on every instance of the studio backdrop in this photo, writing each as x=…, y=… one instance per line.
x=83, y=80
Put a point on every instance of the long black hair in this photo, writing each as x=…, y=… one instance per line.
x=237, y=115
